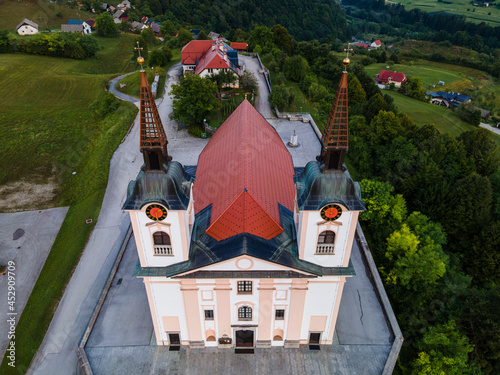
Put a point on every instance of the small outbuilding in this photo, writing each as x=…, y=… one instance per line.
x=27, y=27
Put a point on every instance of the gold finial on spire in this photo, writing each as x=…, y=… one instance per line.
x=140, y=59
x=347, y=61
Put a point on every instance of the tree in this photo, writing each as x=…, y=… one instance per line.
x=167, y=28
x=160, y=57
x=443, y=350
x=194, y=98
x=184, y=37
x=295, y=68
x=357, y=94
x=419, y=261
x=148, y=36
x=248, y=82
x=481, y=149
x=263, y=37
x=202, y=36
x=224, y=78
x=283, y=39
x=375, y=104
x=413, y=88
x=469, y=114
x=280, y=97
x=105, y=25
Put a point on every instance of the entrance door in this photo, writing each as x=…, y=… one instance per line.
x=174, y=339
x=244, y=339
x=314, y=337
x=314, y=340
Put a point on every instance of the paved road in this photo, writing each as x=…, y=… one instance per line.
x=262, y=103
x=490, y=128
x=118, y=94
x=26, y=239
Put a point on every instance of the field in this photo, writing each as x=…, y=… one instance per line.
x=42, y=12
x=475, y=14
x=47, y=133
x=430, y=75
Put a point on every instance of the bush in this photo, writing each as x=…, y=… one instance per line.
x=280, y=97
x=105, y=103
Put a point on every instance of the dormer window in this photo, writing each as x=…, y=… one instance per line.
x=162, y=245
x=326, y=243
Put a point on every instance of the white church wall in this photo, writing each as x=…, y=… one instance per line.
x=320, y=302
x=312, y=229
x=168, y=301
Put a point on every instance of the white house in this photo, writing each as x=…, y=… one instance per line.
x=27, y=27
x=77, y=26
x=243, y=250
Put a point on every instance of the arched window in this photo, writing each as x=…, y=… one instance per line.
x=326, y=242
x=162, y=245
x=245, y=313
x=161, y=238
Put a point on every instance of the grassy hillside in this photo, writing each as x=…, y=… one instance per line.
x=425, y=113
x=44, y=13
x=460, y=7
x=430, y=75
x=45, y=117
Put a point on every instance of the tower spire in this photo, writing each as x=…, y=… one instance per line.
x=153, y=140
x=334, y=142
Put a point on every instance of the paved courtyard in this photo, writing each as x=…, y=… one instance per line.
x=26, y=239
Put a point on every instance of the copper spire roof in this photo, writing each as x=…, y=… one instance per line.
x=152, y=132
x=245, y=172
x=335, y=135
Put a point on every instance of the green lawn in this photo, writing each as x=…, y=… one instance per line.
x=430, y=75
x=132, y=82
x=39, y=11
x=425, y=113
x=47, y=132
x=475, y=14
x=44, y=116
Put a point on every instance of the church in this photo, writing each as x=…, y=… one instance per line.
x=243, y=250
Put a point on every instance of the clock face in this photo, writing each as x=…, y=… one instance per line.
x=156, y=212
x=331, y=212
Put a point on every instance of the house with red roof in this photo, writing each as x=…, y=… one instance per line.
x=208, y=57
x=243, y=250
x=241, y=47
x=376, y=44
x=388, y=77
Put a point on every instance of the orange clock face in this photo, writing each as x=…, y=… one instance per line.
x=331, y=212
x=156, y=212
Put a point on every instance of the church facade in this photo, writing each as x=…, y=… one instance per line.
x=244, y=250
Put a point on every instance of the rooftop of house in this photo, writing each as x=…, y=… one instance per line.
x=239, y=46
x=377, y=42
x=73, y=21
x=386, y=75
x=27, y=22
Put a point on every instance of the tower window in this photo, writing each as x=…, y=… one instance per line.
x=244, y=287
x=209, y=314
x=162, y=245
x=326, y=242
x=245, y=313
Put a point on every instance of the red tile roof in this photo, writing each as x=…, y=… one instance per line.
x=378, y=42
x=214, y=60
x=245, y=153
x=384, y=76
x=239, y=46
x=195, y=49
x=189, y=61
